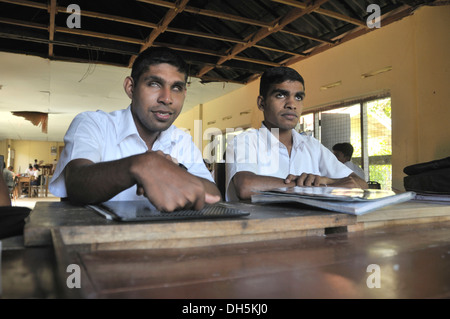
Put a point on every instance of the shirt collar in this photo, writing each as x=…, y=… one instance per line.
x=297, y=138
x=127, y=127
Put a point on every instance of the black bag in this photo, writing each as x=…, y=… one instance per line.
x=429, y=177
x=12, y=220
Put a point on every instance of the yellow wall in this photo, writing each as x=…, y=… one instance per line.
x=4, y=149
x=27, y=151
x=417, y=48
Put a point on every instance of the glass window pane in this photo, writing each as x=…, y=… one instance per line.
x=380, y=141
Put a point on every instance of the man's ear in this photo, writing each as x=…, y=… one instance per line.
x=260, y=102
x=128, y=85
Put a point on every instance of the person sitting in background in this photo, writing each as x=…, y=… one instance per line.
x=344, y=153
x=276, y=155
x=11, y=169
x=36, y=174
x=8, y=177
x=29, y=170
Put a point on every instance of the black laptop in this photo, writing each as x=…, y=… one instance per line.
x=143, y=210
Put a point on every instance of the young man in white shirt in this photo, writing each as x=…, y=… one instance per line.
x=133, y=153
x=276, y=155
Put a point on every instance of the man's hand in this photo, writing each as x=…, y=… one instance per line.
x=168, y=186
x=351, y=181
x=307, y=180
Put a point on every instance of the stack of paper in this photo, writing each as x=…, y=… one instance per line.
x=355, y=201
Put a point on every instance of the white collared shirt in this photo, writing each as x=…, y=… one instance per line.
x=101, y=137
x=260, y=152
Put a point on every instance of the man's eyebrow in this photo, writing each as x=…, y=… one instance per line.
x=286, y=92
x=153, y=78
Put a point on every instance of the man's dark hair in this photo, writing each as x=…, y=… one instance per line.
x=157, y=55
x=278, y=75
x=345, y=148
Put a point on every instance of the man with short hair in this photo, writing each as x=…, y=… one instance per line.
x=276, y=155
x=133, y=153
x=344, y=153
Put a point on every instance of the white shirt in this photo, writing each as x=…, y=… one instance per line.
x=100, y=137
x=355, y=168
x=260, y=152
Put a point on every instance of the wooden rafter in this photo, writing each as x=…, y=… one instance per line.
x=387, y=19
x=133, y=41
x=51, y=27
x=22, y=23
x=262, y=33
x=162, y=26
x=171, y=5
x=231, y=17
x=110, y=17
x=99, y=35
x=25, y=3
x=331, y=14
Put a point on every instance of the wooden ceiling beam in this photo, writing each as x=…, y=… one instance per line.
x=25, y=3
x=214, y=53
x=51, y=28
x=386, y=19
x=162, y=26
x=262, y=33
x=209, y=13
x=205, y=35
x=304, y=35
x=21, y=23
x=99, y=35
x=231, y=17
x=329, y=13
x=110, y=17
x=278, y=50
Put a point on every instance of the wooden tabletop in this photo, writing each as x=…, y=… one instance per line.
x=278, y=251
x=82, y=225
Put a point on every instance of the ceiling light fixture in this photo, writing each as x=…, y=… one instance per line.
x=373, y=73
x=330, y=86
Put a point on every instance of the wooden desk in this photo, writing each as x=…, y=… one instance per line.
x=265, y=222
x=23, y=182
x=276, y=252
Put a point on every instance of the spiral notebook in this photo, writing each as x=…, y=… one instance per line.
x=143, y=210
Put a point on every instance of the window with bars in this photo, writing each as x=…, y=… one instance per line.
x=366, y=124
